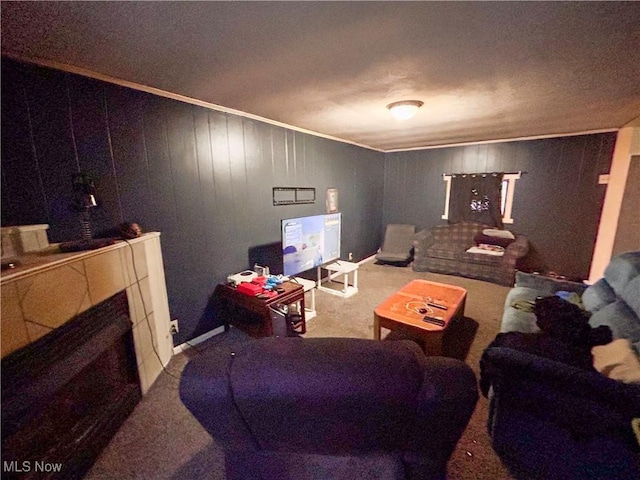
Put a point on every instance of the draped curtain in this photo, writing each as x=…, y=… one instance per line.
x=477, y=198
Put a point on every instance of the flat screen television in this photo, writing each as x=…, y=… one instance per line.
x=308, y=242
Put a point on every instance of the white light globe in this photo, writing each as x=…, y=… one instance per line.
x=405, y=109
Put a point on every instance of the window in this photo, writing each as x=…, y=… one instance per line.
x=507, y=193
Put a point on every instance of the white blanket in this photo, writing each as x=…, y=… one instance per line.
x=487, y=250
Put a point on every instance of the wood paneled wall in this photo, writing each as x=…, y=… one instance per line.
x=201, y=177
x=628, y=231
x=557, y=202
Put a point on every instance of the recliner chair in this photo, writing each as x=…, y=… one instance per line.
x=331, y=408
x=397, y=245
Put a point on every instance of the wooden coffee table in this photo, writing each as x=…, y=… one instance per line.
x=401, y=311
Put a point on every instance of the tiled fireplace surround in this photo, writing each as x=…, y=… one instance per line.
x=50, y=289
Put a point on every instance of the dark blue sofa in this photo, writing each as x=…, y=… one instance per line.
x=550, y=420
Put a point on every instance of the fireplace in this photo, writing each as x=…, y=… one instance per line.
x=65, y=395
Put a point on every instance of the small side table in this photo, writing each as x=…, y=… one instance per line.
x=340, y=267
x=308, y=286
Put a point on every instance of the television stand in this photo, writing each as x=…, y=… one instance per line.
x=251, y=314
x=337, y=268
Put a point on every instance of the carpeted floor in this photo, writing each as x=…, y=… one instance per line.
x=161, y=440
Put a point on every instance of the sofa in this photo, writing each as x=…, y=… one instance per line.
x=551, y=420
x=443, y=249
x=330, y=408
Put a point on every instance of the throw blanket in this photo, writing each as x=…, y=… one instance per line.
x=487, y=250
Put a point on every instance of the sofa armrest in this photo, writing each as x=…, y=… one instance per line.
x=551, y=420
x=584, y=402
x=516, y=250
x=422, y=240
x=547, y=285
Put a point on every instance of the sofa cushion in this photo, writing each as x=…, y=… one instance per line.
x=598, y=296
x=621, y=320
x=462, y=232
x=622, y=269
x=447, y=251
x=545, y=285
x=481, y=258
x=491, y=240
x=495, y=232
x=631, y=295
x=518, y=319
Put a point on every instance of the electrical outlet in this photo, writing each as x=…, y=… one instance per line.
x=350, y=256
x=174, y=326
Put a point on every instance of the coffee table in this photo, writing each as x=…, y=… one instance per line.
x=401, y=312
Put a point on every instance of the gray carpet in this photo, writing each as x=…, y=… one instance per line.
x=161, y=440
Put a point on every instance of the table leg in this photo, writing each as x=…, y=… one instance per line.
x=313, y=300
x=303, y=313
x=376, y=327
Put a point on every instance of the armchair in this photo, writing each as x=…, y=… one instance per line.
x=331, y=408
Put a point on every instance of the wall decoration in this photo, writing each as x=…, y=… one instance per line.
x=293, y=195
x=332, y=200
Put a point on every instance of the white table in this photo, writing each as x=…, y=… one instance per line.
x=308, y=286
x=340, y=267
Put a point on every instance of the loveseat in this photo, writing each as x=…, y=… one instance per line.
x=331, y=408
x=551, y=420
x=443, y=249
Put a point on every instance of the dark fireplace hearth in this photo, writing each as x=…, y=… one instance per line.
x=65, y=395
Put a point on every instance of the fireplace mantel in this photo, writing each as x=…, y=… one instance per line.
x=47, y=289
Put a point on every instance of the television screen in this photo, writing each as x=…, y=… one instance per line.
x=309, y=242
x=267, y=255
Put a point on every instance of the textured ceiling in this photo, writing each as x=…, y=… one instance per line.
x=484, y=70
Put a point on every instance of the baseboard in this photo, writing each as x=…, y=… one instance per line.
x=367, y=259
x=195, y=341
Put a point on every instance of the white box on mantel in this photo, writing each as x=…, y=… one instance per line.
x=22, y=239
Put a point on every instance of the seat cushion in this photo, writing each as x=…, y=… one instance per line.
x=517, y=319
x=393, y=257
x=547, y=285
x=481, y=259
x=446, y=251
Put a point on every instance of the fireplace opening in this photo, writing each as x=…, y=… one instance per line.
x=65, y=395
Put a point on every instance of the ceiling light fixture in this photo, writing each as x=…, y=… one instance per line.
x=404, y=109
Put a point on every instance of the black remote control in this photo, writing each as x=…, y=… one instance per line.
x=435, y=321
x=437, y=305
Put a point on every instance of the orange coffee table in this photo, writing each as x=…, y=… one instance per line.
x=401, y=311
